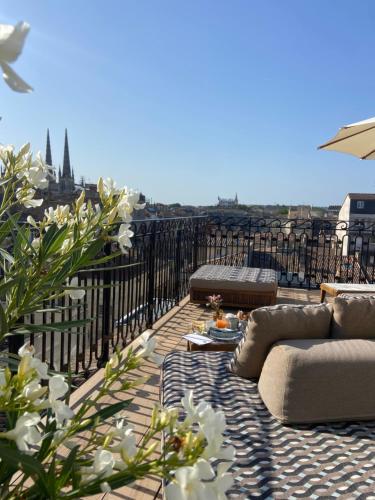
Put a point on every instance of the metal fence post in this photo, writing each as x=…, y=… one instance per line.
x=195, y=247
x=15, y=342
x=178, y=265
x=249, y=251
x=106, y=312
x=151, y=277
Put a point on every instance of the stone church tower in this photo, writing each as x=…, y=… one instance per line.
x=66, y=177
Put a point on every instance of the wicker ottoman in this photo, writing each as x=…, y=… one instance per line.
x=246, y=287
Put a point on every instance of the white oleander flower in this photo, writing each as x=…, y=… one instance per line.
x=148, y=345
x=61, y=215
x=212, y=424
x=133, y=199
x=37, y=174
x=222, y=482
x=33, y=391
x=102, y=467
x=40, y=367
x=188, y=485
x=75, y=294
x=57, y=389
x=127, y=445
x=109, y=187
x=67, y=243
x=26, y=350
x=105, y=487
x=24, y=150
x=61, y=410
x=123, y=237
x=124, y=210
x=189, y=407
x=25, y=432
x=12, y=39
x=36, y=243
x=30, y=220
x=26, y=197
x=103, y=463
x=26, y=353
x=114, y=360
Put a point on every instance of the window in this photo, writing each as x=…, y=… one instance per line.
x=360, y=204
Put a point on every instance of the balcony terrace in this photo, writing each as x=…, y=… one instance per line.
x=168, y=331
x=148, y=289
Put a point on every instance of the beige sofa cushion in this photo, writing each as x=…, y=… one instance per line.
x=353, y=317
x=320, y=380
x=268, y=325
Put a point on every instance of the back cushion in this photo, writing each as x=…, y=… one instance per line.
x=268, y=325
x=353, y=317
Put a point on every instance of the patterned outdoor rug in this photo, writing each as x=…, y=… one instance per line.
x=274, y=460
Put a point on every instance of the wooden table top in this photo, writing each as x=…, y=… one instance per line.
x=212, y=346
x=347, y=287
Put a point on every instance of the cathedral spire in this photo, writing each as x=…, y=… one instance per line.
x=66, y=164
x=48, y=151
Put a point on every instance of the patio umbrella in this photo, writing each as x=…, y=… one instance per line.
x=356, y=139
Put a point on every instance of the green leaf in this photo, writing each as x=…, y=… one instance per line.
x=69, y=463
x=115, y=481
x=92, y=251
x=64, y=273
x=4, y=327
x=48, y=239
x=54, y=242
x=23, y=236
x=105, y=413
x=5, y=181
x=55, y=327
x=27, y=463
x=20, y=290
x=6, y=255
x=102, y=260
x=47, y=440
x=6, y=227
x=5, y=286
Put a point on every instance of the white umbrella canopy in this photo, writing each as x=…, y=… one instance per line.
x=356, y=139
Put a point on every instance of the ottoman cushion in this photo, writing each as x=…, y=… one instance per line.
x=322, y=380
x=353, y=317
x=268, y=325
x=228, y=277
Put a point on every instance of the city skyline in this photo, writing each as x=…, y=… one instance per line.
x=186, y=102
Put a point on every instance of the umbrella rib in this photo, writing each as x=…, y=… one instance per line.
x=367, y=155
x=344, y=138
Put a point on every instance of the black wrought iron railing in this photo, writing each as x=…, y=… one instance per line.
x=123, y=297
x=131, y=292
x=304, y=252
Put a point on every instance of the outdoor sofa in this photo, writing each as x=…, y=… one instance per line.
x=299, y=399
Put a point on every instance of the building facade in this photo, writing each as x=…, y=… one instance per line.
x=227, y=202
x=356, y=224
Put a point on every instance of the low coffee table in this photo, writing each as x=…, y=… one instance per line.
x=213, y=346
x=335, y=289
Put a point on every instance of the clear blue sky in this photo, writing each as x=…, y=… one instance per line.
x=186, y=100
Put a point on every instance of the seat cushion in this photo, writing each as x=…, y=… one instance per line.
x=353, y=317
x=229, y=277
x=322, y=380
x=274, y=461
x=268, y=325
